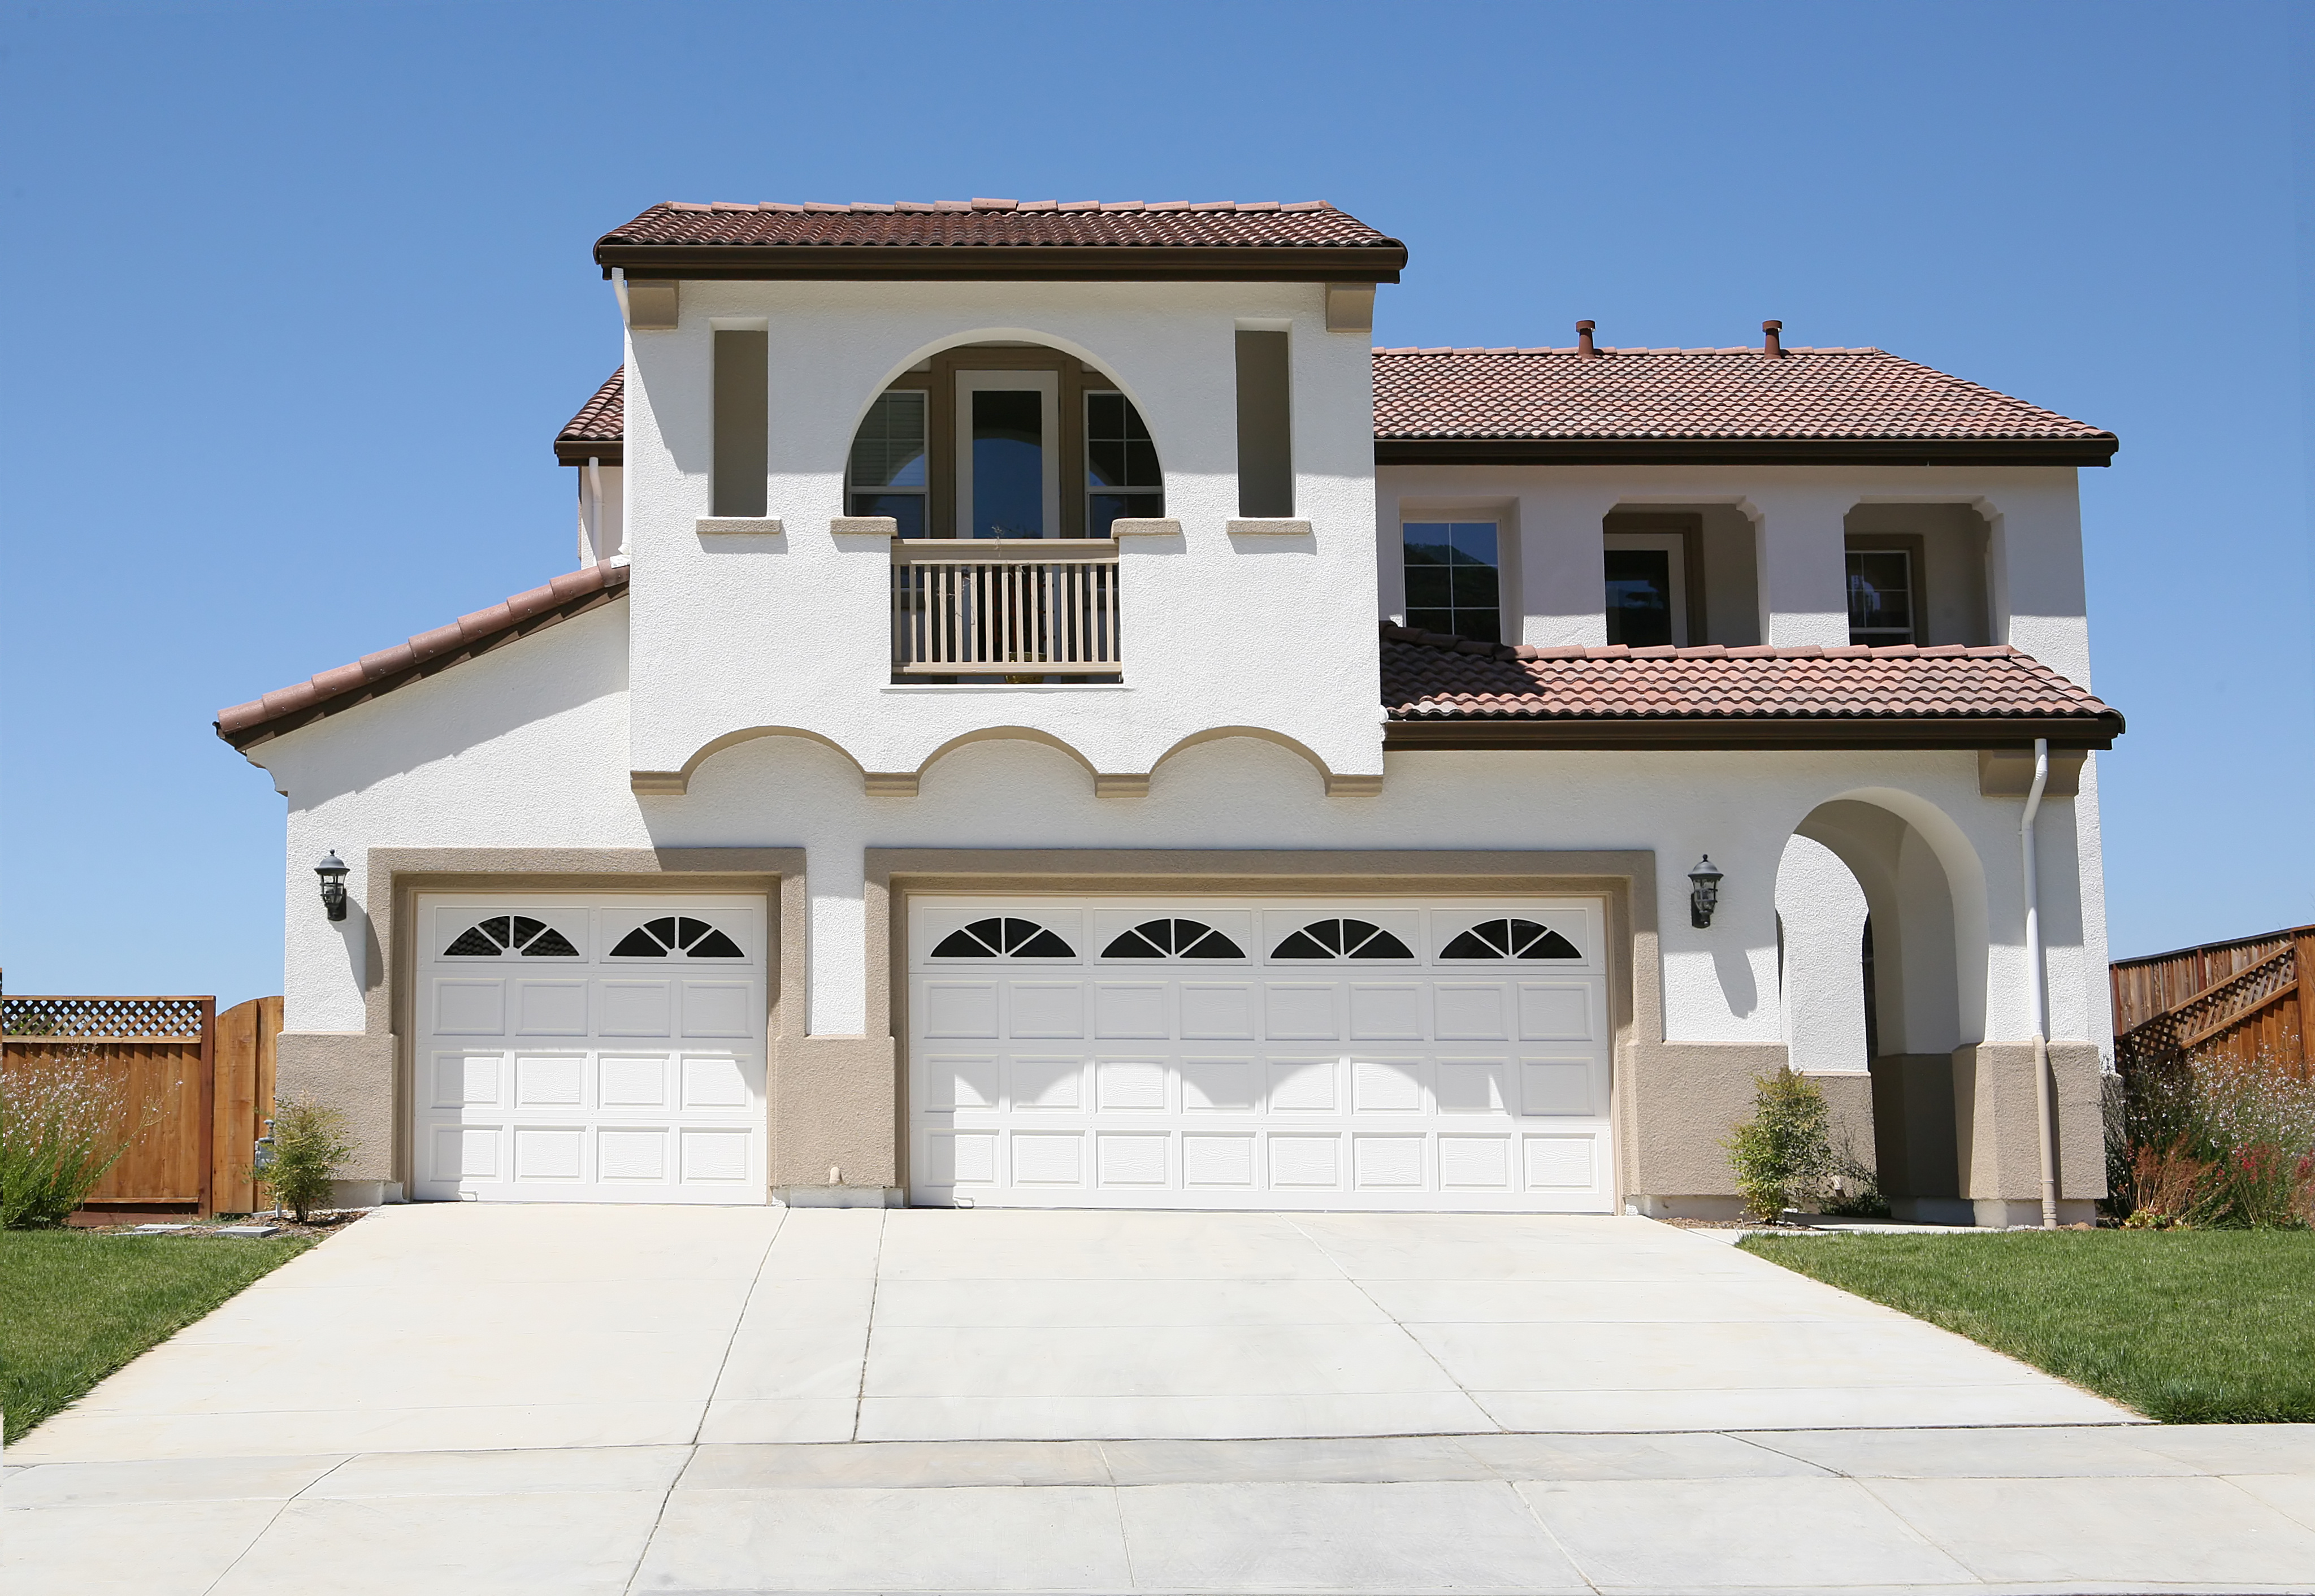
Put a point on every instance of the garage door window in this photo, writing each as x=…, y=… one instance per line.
x=1003, y=939
x=1342, y=939
x=1510, y=939
x=1172, y=939
x=511, y=933
x=675, y=933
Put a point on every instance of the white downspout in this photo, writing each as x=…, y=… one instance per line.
x=594, y=510
x=2037, y=987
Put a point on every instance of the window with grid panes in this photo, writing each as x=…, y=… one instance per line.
x=1122, y=477
x=1453, y=578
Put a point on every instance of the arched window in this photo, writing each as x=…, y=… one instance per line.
x=1003, y=939
x=1003, y=440
x=511, y=933
x=1172, y=939
x=675, y=933
x=1342, y=939
x=1510, y=939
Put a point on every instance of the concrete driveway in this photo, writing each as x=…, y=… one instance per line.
x=443, y=1328
x=603, y=1402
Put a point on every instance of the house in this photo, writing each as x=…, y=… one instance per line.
x=1043, y=713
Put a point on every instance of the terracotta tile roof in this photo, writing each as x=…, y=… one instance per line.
x=575, y=592
x=1952, y=696
x=602, y=420
x=1004, y=223
x=980, y=237
x=1699, y=406
x=1708, y=405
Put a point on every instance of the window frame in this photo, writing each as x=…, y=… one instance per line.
x=1908, y=549
x=1452, y=519
x=852, y=490
x=1673, y=546
x=1156, y=509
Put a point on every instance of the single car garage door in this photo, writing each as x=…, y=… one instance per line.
x=1285, y=1054
x=603, y=1049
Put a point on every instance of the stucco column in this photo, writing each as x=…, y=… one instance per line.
x=2033, y=577
x=1803, y=581
x=1563, y=568
x=1822, y=910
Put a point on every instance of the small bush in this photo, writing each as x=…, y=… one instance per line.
x=310, y=1142
x=64, y=1121
x=2220, y=1142
x=1783, y=1155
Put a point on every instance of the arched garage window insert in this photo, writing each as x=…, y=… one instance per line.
x=1003, y=939
x=1172, y=939
x=511, y=933
x=1342, y=939
x=1004, y=440
x=675, y=933
x=1510, y=939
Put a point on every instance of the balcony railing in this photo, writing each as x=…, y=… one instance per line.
x=1005, y=606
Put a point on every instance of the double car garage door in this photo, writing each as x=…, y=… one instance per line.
x=1096, y=1053
x=1320, y=1054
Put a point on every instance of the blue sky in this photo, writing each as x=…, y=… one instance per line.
x=298, y=294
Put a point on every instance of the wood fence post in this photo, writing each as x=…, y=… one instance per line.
x=209, y=1105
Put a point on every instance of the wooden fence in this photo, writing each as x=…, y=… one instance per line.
x=2237, y=999
x=207, y=1078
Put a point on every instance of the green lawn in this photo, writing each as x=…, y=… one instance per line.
x=2197, y=1327
x=75, y=1306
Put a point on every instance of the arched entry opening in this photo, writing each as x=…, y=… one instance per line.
x=1873, y=994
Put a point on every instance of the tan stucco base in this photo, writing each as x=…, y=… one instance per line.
x=1680, y=1100
x=1997, y=1124
x=835, y=1105
x=353, y=1072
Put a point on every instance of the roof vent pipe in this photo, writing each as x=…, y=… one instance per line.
x=1584, y=349
x=1772, y=340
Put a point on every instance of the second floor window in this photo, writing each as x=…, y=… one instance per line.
x=887, y=473
x=1453, y=578
x=1122, y=479
x=1880, y=597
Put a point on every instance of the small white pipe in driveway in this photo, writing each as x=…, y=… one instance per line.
x=2036, y=989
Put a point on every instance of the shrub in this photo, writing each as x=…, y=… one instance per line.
x=2220, y=1141
x=64, y=1121
x=310, y=1142
x=1857, y=1192
x=1783, y=1155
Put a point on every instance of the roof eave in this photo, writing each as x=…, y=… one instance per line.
x=578, y=451
x=1763, y=733
x=901, y=262
x=2098, y=450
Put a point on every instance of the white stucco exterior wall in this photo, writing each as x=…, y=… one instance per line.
x=791, y=628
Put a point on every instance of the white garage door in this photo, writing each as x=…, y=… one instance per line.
x=590, y=1049
x=1318, y=1054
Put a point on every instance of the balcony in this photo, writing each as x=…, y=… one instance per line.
x=1019, y=609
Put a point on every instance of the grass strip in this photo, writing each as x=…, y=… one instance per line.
x=75, y=1306
x=2187, y=1326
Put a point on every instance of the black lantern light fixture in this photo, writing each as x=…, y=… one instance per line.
x=1703, y=892
x=333, y=872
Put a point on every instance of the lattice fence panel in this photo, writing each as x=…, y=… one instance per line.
x=2237, y=998
x=65, y=1018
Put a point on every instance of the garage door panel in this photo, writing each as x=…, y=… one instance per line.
x=1217, y=1011
x=624, y=1077
x=1299, y=1011
x=469, y=1008
x=1047, y=1008
x=1130, y=1011
x=718, y=1009
x=1327, y=1076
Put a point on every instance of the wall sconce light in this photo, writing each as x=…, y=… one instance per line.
x=333, y=872
x=1704, y=894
